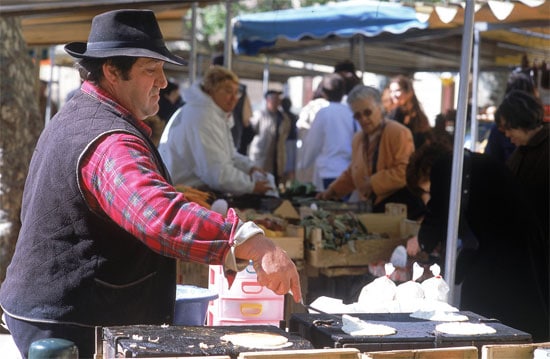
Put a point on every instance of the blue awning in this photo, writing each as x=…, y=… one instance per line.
x=342, y=19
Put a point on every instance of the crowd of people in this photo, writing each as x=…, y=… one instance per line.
x=362, y=144
x=106, y=200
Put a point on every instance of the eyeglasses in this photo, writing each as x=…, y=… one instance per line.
x=230, y=92
x=360, y=114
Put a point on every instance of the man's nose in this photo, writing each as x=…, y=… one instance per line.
x=161, y=80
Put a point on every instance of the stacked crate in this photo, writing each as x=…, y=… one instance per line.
x=245, y=303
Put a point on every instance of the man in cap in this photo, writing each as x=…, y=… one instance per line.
x=101, y=223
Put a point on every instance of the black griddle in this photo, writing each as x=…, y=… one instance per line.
x=137, y=341
x=325, y=331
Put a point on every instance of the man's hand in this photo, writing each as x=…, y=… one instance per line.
x=261, y=187
x=273, y=266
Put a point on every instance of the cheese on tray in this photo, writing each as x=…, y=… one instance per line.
x=257, y=340
x=356, y=327
x=439, y=316
x=459, y=328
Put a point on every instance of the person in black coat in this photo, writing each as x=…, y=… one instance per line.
x=503, y=260
x=522, y=117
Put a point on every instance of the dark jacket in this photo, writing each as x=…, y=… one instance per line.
x=531, y=165
x=71, y=264
x=507, y=276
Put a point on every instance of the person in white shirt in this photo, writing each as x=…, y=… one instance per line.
x=327, y=144
x=305, y=119
x=197, y=146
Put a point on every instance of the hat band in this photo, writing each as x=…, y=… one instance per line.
x=103, y=45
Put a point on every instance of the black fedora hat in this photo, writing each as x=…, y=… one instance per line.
x=134, y=33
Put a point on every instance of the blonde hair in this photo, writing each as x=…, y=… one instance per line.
x=215, y=75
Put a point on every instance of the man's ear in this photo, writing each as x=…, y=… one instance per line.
x=110, y=72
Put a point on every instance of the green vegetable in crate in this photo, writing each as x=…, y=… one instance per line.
x=298, y=188
x=337, y=229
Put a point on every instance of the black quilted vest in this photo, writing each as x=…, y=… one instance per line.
x=71, y=264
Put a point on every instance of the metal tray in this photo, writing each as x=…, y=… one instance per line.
x=137, y=341
x=411, y=333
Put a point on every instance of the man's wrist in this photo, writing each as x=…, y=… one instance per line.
x=245, y=231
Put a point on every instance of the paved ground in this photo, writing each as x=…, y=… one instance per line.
x=8, y=350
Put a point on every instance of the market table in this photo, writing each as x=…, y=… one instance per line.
x=144, y=341
x=411, y=333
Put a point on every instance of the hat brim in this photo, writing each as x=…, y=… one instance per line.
x=79, y=50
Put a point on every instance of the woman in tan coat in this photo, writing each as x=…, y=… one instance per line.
x=380, y=154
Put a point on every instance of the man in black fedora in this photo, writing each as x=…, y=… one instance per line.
x=101, y=223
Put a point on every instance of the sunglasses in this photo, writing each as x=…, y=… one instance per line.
x=360, y=114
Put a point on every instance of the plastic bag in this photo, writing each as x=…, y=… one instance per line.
x=435, y=288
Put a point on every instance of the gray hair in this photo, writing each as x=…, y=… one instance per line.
x=361, y=92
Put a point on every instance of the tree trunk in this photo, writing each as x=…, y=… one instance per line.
x=20, y=126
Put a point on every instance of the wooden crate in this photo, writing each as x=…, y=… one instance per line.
x=437, y=353
x=363, y=252
x=511, y=351
x=292, y=242
x=341, y=353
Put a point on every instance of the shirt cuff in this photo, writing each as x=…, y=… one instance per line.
x=244, y=231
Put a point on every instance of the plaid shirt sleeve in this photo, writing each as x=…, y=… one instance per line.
x=121, y=181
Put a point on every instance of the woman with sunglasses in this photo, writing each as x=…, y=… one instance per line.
x=380, y=154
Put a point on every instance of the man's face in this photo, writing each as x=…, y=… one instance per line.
x=140, y=93
x=273, y=101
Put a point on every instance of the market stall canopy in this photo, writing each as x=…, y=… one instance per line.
x=327, y=36
x=342, y=19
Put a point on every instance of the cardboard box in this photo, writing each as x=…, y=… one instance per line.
x=438, y=353
x=326, y=353
x=513, y=351
x=362, y=252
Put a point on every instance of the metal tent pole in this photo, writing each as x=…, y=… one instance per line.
x=228, y=35
x=458, y=150
x=265, y=83
x=193, y=54
x=48, y=114
x=474, y=133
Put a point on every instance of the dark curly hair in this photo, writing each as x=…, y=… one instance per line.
x=520, y=109
x=422, y=161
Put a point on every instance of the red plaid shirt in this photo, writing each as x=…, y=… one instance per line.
x=121, y=180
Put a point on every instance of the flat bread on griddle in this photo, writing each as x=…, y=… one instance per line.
x=257, y=340
x=461, y=328
x=357, y=327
